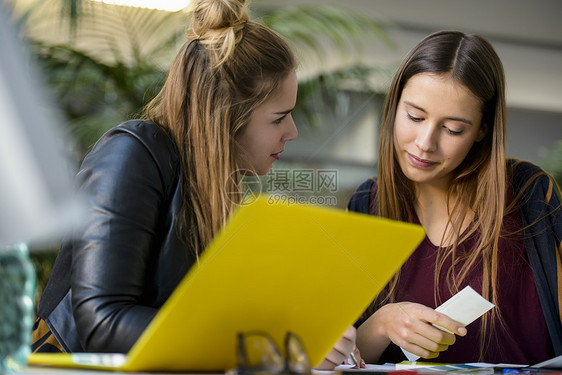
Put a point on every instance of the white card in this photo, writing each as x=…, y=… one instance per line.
x=465, y=307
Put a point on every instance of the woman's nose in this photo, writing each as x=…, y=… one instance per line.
x=291, y=131
x=426, y=139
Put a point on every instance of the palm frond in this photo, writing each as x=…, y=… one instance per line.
x=93, y=94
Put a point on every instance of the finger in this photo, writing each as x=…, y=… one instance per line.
x=424, y=348
x=417, y=320
x=440, y=329
x=356, y=359
x=416, y=312
x=443, y=322
x=436, y=334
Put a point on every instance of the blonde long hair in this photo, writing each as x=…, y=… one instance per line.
x=228, y=66
x=479, y=183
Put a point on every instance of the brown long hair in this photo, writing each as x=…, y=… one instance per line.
x=480, y=181
x=228, y=66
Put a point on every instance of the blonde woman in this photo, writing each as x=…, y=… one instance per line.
x=161, y=187
x=492, y=224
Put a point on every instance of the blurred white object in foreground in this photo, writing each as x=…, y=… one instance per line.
x=36, y=192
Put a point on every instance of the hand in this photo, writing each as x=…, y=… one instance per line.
x=408, y=325
x=340, y=351
x=358, y=361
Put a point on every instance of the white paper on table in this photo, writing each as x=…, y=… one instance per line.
x=368, y=368
x=465, y=307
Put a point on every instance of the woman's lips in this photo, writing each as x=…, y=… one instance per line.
x=419, y=162
x=276, y=155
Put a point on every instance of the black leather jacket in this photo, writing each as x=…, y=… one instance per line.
x=122, y=264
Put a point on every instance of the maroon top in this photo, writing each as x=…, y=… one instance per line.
x=525, y=337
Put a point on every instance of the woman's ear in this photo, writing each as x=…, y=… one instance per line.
x=482, y=132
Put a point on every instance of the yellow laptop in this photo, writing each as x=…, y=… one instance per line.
x=275, y=268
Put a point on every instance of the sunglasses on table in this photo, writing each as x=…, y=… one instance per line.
x=257, y=353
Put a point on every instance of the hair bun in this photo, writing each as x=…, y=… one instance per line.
x=213, y=17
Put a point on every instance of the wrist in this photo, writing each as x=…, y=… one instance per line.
x=372, y=338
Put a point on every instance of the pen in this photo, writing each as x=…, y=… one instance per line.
x=354, y=359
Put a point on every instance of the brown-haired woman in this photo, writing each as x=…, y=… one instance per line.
x=159, y=188
x=491, y=223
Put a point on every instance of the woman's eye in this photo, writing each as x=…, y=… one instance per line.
x=414, y=118
x=453, y=132
x=279, y=120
